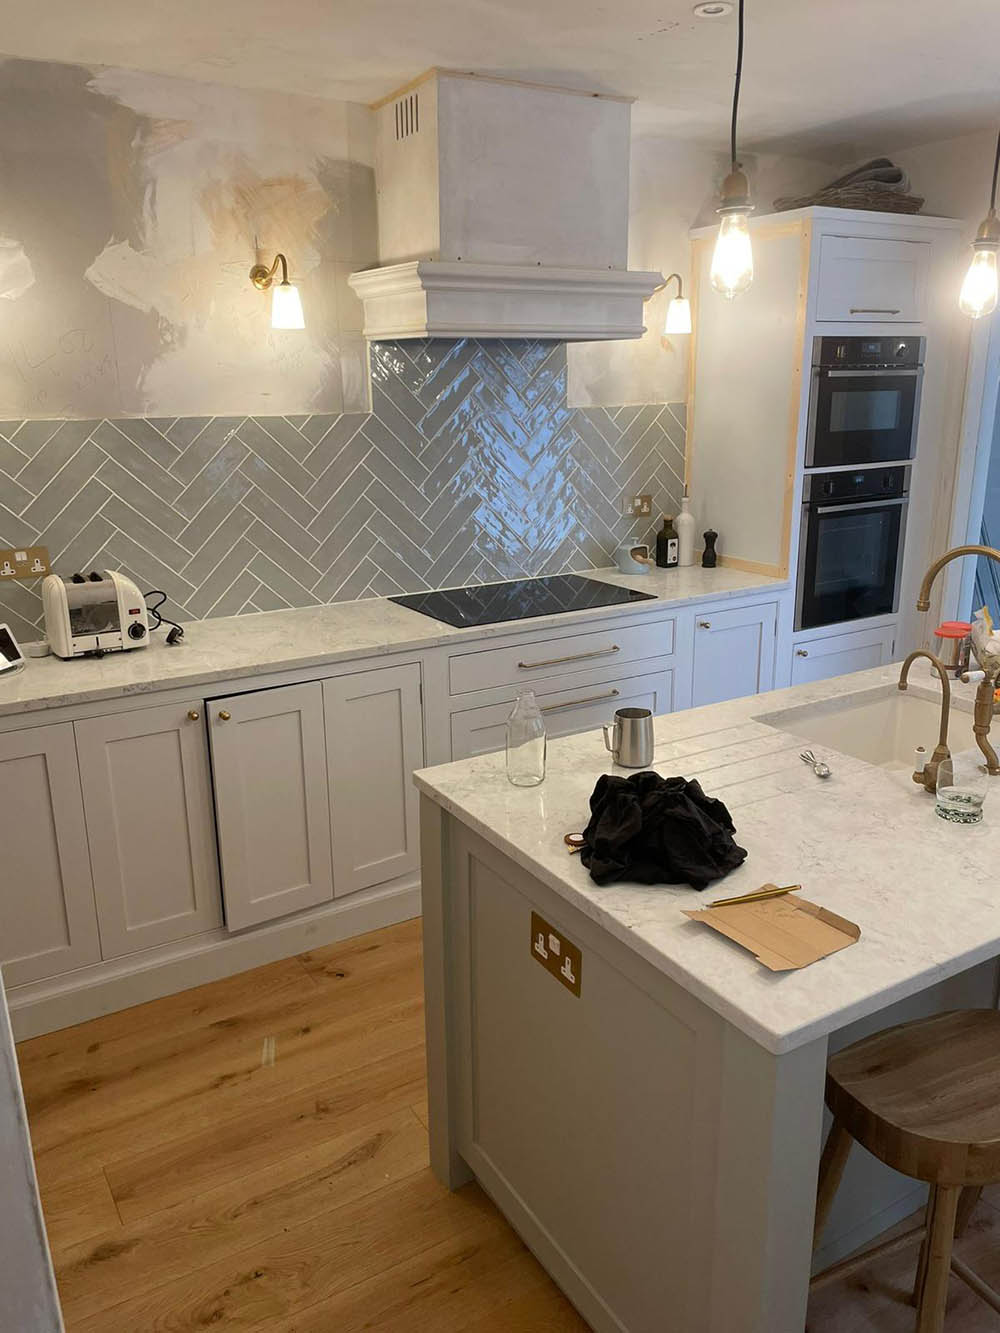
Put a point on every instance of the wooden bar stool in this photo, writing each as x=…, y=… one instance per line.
x=924, y=1098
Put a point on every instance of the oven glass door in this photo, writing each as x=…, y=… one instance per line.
x=862, y=416
x=852, y=561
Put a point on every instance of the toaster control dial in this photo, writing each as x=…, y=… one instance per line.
x=136, y=630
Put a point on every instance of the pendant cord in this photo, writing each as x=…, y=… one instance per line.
x=996, y=169
x=736, y=96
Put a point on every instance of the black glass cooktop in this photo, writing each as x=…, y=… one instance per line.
x=490, y=603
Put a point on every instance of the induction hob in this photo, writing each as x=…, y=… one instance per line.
x=490, y=603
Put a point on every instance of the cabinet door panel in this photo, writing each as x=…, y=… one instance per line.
x=870, y=280
x=574, y=708
x=48, y=923
x=272, y=802
x=374, y=742
x=839, y=654
x=733, y=653
x=148, y=797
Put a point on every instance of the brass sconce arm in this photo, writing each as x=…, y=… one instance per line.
x=262, y=277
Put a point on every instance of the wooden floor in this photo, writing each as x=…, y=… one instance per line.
x=253, y=1155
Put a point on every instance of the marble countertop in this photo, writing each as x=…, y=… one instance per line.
x=865, y=843
x=232, y=647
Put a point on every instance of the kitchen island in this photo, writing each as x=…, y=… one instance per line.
x=650, y=1119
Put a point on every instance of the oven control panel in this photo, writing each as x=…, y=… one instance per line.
x=867, y=353
x=874, y=483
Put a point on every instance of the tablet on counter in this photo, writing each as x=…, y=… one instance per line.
x=11, y=657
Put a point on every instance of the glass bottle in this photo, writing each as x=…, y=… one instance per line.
x=525, y=742
x=666, y=544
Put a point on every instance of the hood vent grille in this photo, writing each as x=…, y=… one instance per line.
x=407, y=116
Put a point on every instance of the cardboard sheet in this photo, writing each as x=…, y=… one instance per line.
x=783, y=933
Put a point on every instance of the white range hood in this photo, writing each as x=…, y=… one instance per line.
x=502, y=213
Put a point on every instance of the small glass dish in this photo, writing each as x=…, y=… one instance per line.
x=962, y=784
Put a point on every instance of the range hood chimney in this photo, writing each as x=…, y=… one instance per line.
x=502, y=213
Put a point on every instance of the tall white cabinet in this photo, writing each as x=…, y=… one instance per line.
x=820, y=272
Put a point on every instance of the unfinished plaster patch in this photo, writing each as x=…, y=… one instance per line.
x=138, y=280
x=16, y=273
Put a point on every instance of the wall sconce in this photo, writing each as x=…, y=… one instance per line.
x=286, y=304
x=679, y=310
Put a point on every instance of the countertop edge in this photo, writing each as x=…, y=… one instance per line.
x=436, y=637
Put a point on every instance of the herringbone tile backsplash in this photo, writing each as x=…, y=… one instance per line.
x=470, y=468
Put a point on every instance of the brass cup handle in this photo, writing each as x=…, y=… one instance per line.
x=224, y=715
x=801, y=652
x=704, y=624
x=193, y=714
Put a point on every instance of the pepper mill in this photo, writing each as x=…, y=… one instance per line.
x=709, y=559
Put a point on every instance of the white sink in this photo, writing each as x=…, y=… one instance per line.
x=882, y=728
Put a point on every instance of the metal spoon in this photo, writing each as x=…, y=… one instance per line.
x=821, y=769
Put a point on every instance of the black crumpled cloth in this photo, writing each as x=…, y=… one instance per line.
x=658, y=831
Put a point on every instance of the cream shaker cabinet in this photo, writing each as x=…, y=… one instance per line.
x=374, y=740
x=147, y=792
x=48, y=923
x=272, y=802
x=733, y=653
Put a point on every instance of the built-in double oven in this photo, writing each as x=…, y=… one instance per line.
x=861, y=438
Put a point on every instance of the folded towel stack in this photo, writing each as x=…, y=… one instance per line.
x=878, y=185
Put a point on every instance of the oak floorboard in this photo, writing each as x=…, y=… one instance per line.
x=139, y=1256
x=439, y=1291
x=75, y=1210
x=151, y=1023
x=544, y=1307
x=356, y=963
x=119, y=1082
x=250, y=1144
x=218, y=1087
x=307, y=1264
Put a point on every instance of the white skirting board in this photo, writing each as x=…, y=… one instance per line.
x=75, y=997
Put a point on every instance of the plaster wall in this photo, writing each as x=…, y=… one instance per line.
x=133, y=208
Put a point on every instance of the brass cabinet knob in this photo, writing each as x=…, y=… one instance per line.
x=801, y=652
x=224, y=716
x=193, y=714
x=704, y=624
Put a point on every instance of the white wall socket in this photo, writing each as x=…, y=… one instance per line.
x=637, y=506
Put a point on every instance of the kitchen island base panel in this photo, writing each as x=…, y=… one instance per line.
x=660, y=1164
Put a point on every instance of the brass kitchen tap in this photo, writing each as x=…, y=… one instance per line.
x=927, y=776
x=983, y=714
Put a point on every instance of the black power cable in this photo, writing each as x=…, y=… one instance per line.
x=176, y=633
x=736, y=93
x=996, y=168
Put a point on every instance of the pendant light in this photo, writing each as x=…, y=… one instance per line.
x=979, y=290
x=732, y=262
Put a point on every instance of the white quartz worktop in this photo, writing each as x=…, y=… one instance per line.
x=233, y=647
x=865, y=843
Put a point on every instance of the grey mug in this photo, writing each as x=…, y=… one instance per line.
x=630, y=737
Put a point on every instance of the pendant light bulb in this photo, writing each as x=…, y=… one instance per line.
x=732, y=261
x=978, y=296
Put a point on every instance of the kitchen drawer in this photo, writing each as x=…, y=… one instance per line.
x=839, y=654
x=566, y=709
x=869, y=281
x=524, y=662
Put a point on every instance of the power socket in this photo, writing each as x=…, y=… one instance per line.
x=637, y=506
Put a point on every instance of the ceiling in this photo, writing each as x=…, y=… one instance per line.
x=819, y=79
